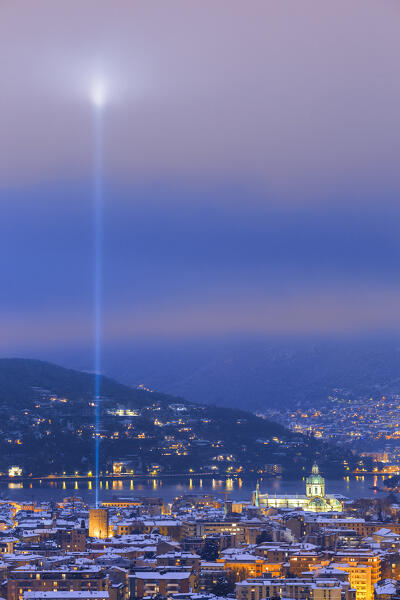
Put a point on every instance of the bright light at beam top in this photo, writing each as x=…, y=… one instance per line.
x=98, y=94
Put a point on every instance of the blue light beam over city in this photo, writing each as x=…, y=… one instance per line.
x=98, y=100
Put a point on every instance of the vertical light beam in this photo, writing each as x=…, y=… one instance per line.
x=98, y=201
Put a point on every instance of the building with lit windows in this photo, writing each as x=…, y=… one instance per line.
x=31, y=578
x=295, y=588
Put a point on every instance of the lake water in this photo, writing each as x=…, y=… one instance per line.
x=169, y=488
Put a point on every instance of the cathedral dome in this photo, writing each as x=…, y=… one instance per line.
x=315, y=478
x=317, y=504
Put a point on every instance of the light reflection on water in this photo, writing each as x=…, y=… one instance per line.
x=169, y=488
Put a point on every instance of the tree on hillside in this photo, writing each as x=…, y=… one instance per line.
x=210, y=551
x=225, y=585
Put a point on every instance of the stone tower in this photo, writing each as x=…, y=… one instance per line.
x=98, y=523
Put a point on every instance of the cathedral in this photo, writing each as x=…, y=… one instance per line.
x=314, y=500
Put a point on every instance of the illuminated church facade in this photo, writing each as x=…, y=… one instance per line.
x=314, y=500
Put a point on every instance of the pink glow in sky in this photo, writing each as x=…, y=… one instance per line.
x=284, y=93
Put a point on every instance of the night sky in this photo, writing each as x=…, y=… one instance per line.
x=251, y=173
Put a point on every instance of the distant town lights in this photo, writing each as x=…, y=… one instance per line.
x=14, y=471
